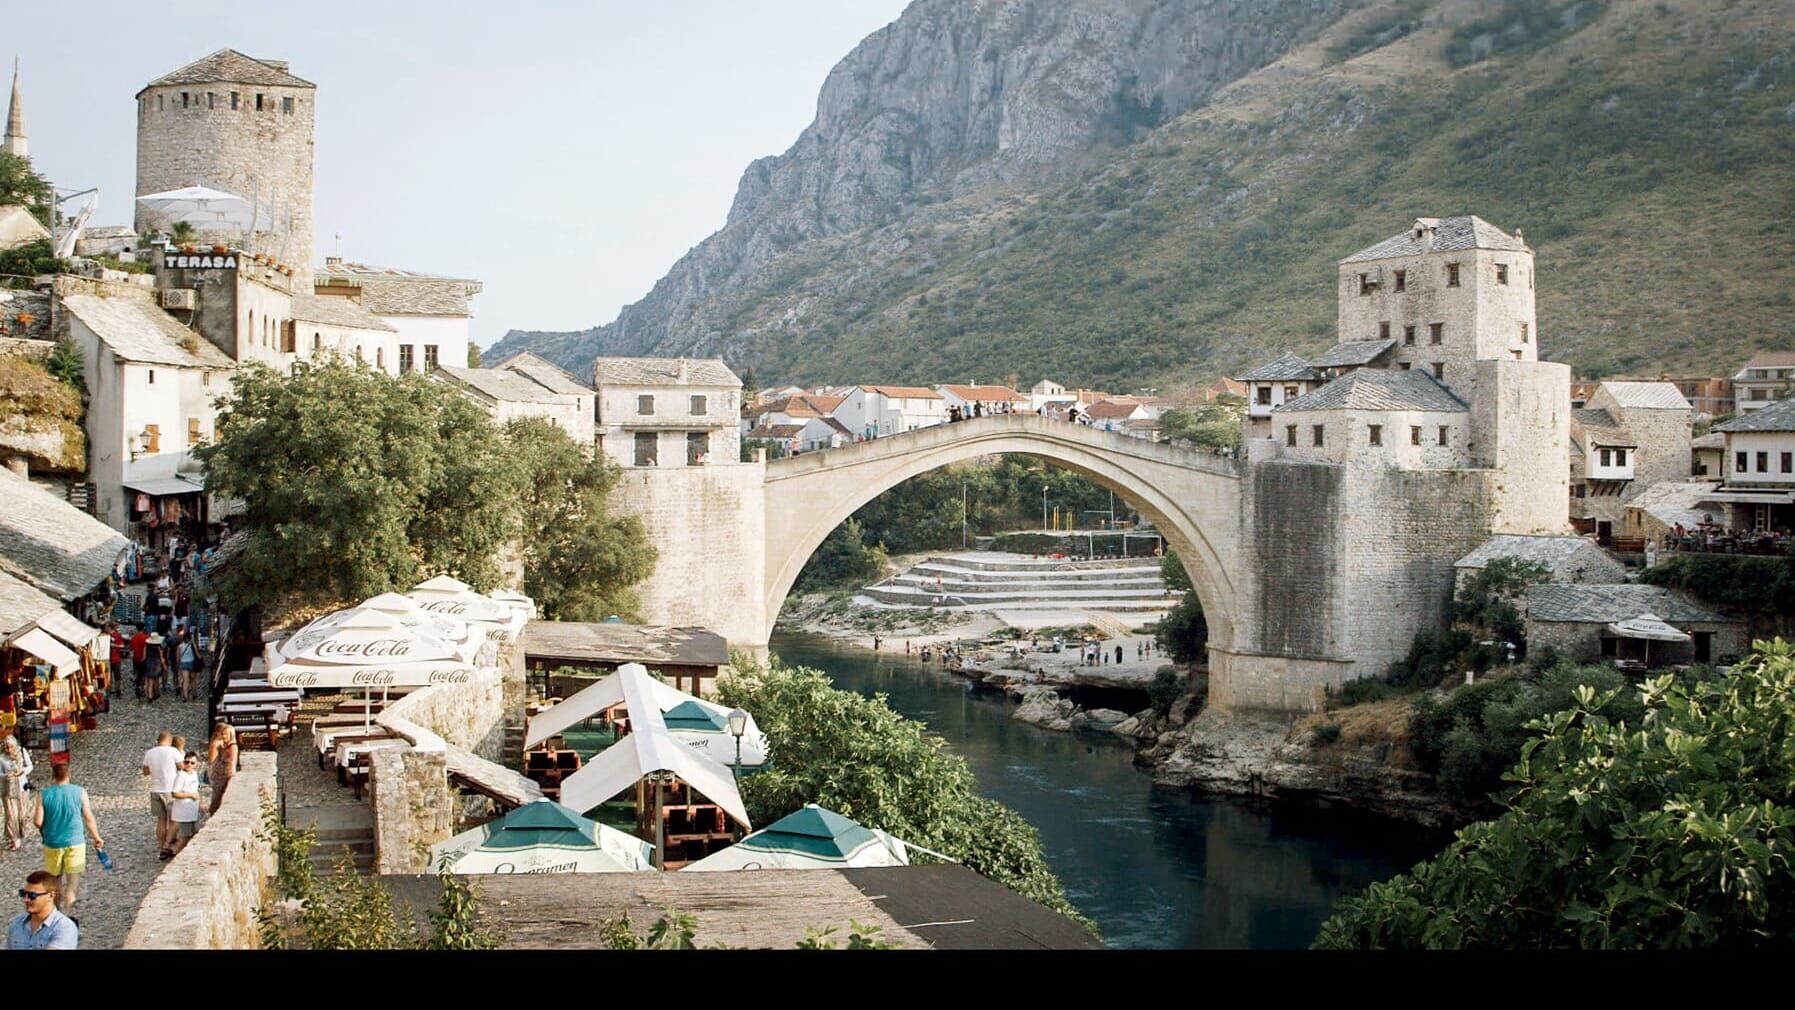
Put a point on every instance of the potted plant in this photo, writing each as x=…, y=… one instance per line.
x=189, y=248
x=261, y=257
x=220, y=249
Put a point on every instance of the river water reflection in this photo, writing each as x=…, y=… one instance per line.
x=1153, y=867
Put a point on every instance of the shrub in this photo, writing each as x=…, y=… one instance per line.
x=1670, y=829
x=68, y=364
x=1165, y=689
x=1324, y=734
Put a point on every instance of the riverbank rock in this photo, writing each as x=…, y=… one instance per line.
x=1244, y=755
x=1043, y=707
x=1102, y=719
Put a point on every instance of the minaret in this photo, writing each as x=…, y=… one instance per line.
x=15, y=117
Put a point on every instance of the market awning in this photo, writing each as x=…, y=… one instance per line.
x=161, y=487
x=60, y=624
x=39, y=643
x=1648, y=627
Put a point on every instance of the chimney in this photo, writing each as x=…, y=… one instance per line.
x=333, y=261
x=685, y=371
x=280, y=65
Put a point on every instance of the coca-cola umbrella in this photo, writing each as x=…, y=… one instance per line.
x=412, y=614
x=449, y=597
x=366, y=648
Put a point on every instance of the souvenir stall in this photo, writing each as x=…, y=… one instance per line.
x=53, y=675
x=166, y=507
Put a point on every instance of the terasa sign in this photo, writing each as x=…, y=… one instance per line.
x=199, y=261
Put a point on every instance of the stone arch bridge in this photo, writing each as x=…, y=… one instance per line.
x=1270, y=544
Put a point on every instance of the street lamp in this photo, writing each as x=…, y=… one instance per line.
x=962, y=513
x=738, y=724
x=662, y=780
x=1043, y=506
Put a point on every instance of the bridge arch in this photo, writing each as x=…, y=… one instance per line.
x=1192, y=497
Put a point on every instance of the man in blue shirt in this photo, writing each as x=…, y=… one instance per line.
x=65, y=820
x=41, y=926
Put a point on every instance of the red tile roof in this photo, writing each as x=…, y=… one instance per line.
x=908, y=392
x=985, y=393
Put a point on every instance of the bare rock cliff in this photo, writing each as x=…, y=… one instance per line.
x=955, y=97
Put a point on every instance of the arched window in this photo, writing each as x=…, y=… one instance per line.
x=251, y=327
x=358, y=356
x=317, y=342
x=380, y=358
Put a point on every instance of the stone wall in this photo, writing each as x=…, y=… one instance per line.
x=708, y=524
x=470, y=716
x=414, y=808
x=1581, y=642
x=24, y=321
x=206, y=898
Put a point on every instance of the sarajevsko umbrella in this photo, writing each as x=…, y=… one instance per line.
x=811, y=839
x=542, y=837
x=365, y=648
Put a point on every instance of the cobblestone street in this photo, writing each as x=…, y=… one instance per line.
x=105, y=761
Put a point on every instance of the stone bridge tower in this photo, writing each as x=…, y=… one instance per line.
x=241, y=125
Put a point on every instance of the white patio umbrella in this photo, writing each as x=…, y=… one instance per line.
x=365, y=648
x=699, y=724
x=450, y=597
x=201, y=207
x=412, y=614
x=542, y=837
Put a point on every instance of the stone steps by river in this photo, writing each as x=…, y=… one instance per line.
x=988, y=580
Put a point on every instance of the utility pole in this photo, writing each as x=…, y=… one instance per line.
x=962, y=513
x=1043, y=506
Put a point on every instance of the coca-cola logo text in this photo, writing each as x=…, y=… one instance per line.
x=379, y=648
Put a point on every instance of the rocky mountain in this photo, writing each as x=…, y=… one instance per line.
x=1154, y=191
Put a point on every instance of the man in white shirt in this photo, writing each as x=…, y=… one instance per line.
x=160, y=763
x=184, y=808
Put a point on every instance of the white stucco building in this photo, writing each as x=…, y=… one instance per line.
x=875, y=411
x=429, y=314
x=1759, y=479
x=989, y=399
x=151, y=383
x=668, y=412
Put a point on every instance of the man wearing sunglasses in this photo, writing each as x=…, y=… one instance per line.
x=41, y=926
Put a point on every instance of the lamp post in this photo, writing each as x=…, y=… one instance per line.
x=962, y=513
x=738, y=724
x=661, y=779
x=1043, y=504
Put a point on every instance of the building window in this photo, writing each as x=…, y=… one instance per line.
x=645, y=448
x=1289, y=393
x=1402, y=280
x=211, y=100
x=645, y=405
x=1264, y=396
x=1523, y=333
x=1290, y=435
x=1763, y=462
x=1408, y=336
x=1365, y=284
x=698, y=444
x=358, y=357
x=430, y=357
x=1502, y=273
x=1383, y=330
x=235, y=99
x=380, y=358
x=258, y=103
x=405, y=358
x=193, y=434
x=1316, y=433
x=1739, y=463
x=317, y=342
x=1402, y=366
x=1435, y=332
x=1620, y=457
x=152, y=438
x=1376, y=433
x=1788, y=458
x=1452, y=275
x=1443, y=430
x=286, y=105
x=698, y=405
x=184, y=100
x=153, y=382
x=1607, y=457
x=1414, y=434
x=1439, y=370
x=159, y=103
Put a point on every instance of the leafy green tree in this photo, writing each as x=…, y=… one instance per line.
x=579, y=560
x=844, y=558
x=1209, y=426
x=30, y=259
x=856, y=756
x=183, y=233
x=1183, y=633
x=473, y=354
x=1669, y=828
x=21, y=186
x=348, y=482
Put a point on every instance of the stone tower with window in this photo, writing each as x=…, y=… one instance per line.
x=242, y=125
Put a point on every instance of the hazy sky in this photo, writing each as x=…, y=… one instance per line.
x=564, y=154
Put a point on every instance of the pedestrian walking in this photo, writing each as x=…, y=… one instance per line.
x=120, y=648
x=41, y=926
x=159, y=765
x=187, y=659
x=64, y=823
x=221, y=762
x=184, y=811
x=15, y=775
x=1118, y=654
x=140, y=644
x=151, y=667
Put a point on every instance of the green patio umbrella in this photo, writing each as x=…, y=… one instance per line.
x=542, y=837
x=810, y=839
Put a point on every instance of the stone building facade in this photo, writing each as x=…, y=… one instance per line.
x=1627, y=438
x=241, y=125
x=668, y=412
